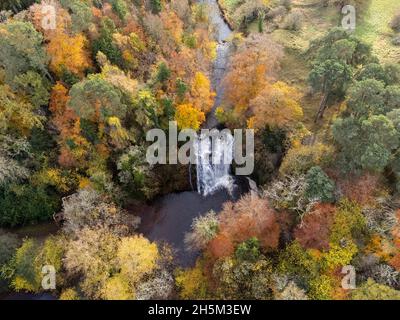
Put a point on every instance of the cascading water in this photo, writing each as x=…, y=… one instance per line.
x=214, y=155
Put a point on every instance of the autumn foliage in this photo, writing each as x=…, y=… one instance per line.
x=249, y=217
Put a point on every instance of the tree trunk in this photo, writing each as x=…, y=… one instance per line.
x=322, y=107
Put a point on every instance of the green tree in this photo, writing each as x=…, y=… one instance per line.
x=105, y=43
x=35, y=88
x=319, y=186
x=248, y=250
x=96, y=95
x=16, y=5
x=336, y=57
x=81, y=14
x=367, y=144
x=21, y=49
x=156, y=6
x=22, y=269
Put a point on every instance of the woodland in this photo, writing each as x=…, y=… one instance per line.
x=76, y=102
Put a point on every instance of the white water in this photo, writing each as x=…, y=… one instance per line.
x=214, y=158
x=214, y=161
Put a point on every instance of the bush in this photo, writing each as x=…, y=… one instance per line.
x=8, y=244
x=395, y=23
x=396, y=40
x=293, y=21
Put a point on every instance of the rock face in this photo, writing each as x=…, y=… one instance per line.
x=253, y=187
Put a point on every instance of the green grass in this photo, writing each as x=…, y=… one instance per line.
x=373, y=27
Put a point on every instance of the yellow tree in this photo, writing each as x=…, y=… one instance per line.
x=201, y=93
x=277, y=105
x=188, y=117
x=137, y=257
x=68, y=52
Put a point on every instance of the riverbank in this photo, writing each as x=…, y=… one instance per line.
x=224, y=14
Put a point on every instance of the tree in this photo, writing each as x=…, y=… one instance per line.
x=297, y=262
x=137, y=257
x=292, y=292
x=300, y=159
x=87, y=208
x=96, y=99
x=192, y=283
x=92, y=254
x=189, y=117
x=81, y=14
x=314, y=230
x=156, y=6
x=319, y=186
x=371, y=290
x=34, y=204
x=8, y=244
x=243, y=279
x=16, y=115
x=22, y=269
x=336, y=56
x=277, y=105
x=68, y=52
x=204, y=229
x=21, y=49
x=255, y=60
x=249, y=217
x=34, y=87
x=135, y=173
x=248, y=250
x=105, y=43
x=201, y=93
x=367, y=144
x=15, y=5
x=329, y=77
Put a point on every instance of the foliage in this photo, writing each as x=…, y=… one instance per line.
x=21, y=49
x=188, y=117
x=371, y=290
x=192, y=282
x=319, y=186
x=204, y=229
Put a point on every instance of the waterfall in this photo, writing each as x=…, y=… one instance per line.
x=214, y=155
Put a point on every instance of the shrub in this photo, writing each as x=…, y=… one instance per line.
x=293, y=21
x=395, y=22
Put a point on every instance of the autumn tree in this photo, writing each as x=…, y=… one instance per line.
x=249, y=217
x=202, y=96
x=68, y=52
x=314, y=230
x=248, y=71
x=189, y=117
x=277, y=105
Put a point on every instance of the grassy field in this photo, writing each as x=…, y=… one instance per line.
x=373, y=28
